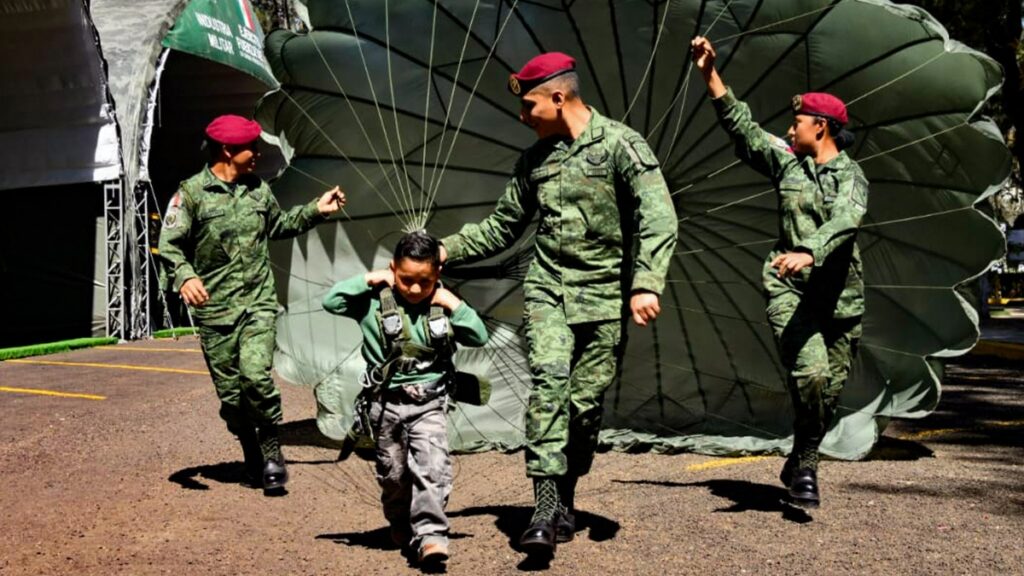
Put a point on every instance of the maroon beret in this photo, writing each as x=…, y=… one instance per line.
x=233, y=130
x=820, y=104
x=539, y=70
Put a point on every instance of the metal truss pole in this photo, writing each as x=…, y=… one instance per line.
x=140, y=324
x=113, y=203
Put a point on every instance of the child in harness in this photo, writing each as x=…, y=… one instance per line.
x=410, y=325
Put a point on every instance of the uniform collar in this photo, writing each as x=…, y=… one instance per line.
x=593, y=132
x=837, y=164
x=211, y=183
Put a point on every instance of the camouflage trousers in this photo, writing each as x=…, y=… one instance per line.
x=413, y=468
x=816, y=350
x=571, y=367
x=240, y=358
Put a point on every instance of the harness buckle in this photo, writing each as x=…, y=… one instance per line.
x=438, y=327
x=392, y=325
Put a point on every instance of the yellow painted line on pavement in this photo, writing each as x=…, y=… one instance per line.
x=51, y=393
x=723, y=462
x=142, y=349
x=925, y=434
x=119, y=366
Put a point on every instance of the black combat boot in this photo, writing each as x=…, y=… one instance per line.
x=253, y=458
x=275, y=474
x=786, y=475
x=803, y=490
x=565, y=527
x=539, y=538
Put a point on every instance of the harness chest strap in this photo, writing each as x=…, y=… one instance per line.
x=402, y=352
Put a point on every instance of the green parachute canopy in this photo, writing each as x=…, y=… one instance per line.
x=404, y=104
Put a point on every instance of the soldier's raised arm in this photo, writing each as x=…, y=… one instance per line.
x=764, y=152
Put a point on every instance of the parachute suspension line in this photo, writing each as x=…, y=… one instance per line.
x=913, y=142
x=448, y=110
x=380, y=115
x=650, y=62
x=351, y=107
x=897, y=79
x=729, y=205
x=394, y=111
x=707, y=282
x=740, y=245
x=339, y=150
x=969, y=207
x=716, y=314
x=469, y=101
x=319, y=181
x=773, y=24
x=728, y=166
x=668, y=109
x=297, y=277
x=507, y=360
x=912, y=287
x=686, y=86
x=685, y=89
x=426, y=101
x=682, y=107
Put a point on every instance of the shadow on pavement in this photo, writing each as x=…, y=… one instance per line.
x=898, y=449
x=746, y=496
x=223, y=472
x=380, y=539
x=305, y=433
x=513, y=520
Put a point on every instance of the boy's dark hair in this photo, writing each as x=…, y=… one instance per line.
x=419, y=246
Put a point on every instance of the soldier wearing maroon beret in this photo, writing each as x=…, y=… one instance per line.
x=605, y=235
x=213, y=247
x=812, y=277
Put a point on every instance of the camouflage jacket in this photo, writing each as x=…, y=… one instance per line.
x=218, y=232
x=820, y=211
x=606, y=226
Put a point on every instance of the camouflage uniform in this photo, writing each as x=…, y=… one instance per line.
x=606, y=228
x=218, y=231
x=816, y=314
x=413, y=468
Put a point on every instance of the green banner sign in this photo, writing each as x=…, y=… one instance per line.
x=224, y=31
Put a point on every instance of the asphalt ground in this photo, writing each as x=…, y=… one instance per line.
x=114, y=461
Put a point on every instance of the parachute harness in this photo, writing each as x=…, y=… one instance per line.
x=404, y=355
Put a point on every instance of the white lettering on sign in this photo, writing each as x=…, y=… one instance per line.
x=222, y=44
x=215, y=24
x=248, y=35
x=250, y=52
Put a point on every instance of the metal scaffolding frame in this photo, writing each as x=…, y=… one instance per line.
x=140, y=324
x=128, y=261
x=113, y=204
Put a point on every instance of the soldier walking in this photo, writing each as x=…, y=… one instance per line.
x=812, y=277
x=214, y=247
x=605, y=236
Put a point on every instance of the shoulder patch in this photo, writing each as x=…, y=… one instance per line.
x=640, y=151
x=171, y=217
x=860, y=191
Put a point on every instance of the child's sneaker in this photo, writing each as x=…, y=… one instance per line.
x=433, y=553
